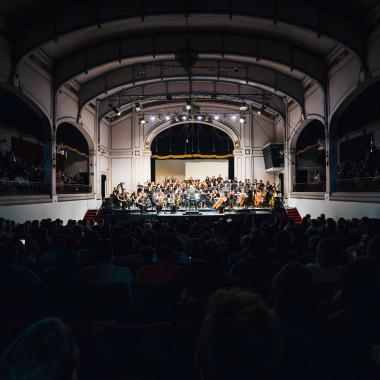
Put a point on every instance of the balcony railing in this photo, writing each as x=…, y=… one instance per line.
x=71, y=188
x=23, y=188
x=312, y=187
x=356, y=185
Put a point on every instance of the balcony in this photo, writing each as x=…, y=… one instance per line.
x=23, y=188
x=358, y=185
x=73, y=189
x=312, y=187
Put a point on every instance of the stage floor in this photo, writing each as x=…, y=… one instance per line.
x=125, y=216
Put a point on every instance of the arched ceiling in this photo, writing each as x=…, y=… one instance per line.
x=113, y=82
x=88, y=39
x=201, y=89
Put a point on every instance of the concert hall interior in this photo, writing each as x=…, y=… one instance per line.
x=128, y=128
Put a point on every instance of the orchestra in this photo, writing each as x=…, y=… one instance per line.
x=213, y=193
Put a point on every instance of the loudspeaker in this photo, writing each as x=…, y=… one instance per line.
x=273, y=156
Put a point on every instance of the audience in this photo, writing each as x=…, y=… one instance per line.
x=273, y=300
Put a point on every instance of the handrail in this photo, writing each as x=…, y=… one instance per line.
x=73, y=188
x=23, y=188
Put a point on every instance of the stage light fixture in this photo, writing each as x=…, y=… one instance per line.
x=117, y=110
x=262, y=109
x=216, y=117
x=167, y=117
x=188, y=106
x=184, y=117
x=199, y=117
x=152, y=118
x=242, y=119
x=243, y=107
x=138, y=107
x=142, y=120
x=233, y=117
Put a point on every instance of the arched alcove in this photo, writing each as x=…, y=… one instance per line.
x=72, y=158
x=202, y=144
x=25, y=145
x=309, y=147
x=355, y=142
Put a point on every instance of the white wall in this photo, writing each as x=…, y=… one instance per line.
x=170, y=168
x=63, y=210
x=200, y=169
x=335, y=209
x=196, y=169
x=36, y=84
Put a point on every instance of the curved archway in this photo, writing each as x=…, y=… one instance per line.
x=192, y=149
x=72, y=160
x=355, y=141
x=82, y=128
x=157, y=129
x=309, y=152
x=25, y=146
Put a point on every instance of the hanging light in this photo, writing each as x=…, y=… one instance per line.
x=184, y=117
x=167, y=117
x=152, y=118
x=117, y=110
x=142, y=120
x=138, y=107
x=216, y=117
x=199, y=117
x=243, y=107
x=233, y=117
x=188, y=106
x=242, y=119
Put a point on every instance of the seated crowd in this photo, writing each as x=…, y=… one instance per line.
x=69, y=179
x=355, y=168
x=190, y=299
x=13, y=168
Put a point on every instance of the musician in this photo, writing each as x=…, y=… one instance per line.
x=141, y=203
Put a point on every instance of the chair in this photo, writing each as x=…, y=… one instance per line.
x=104, y=301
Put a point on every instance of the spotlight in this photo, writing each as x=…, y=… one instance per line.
x=242, y=119
x=243, y=107
x=216, y=117
x=199, y=117
x=167, y=117
x=142, y=120
x=262, y=109
x=152, y=118
x=184, y=117
x=233, y=117
x=116, y=110
x=138, y=106
x=188, y=106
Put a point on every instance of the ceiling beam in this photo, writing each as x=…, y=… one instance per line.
x=228, y=71
x=241, y=46
x=179, y=91
x=306, y=15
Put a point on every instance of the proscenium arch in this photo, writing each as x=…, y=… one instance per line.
x=276, y=104
x=240, y=46
x=310, y=17
x=253, y=75
x=157, y=129
x=81, y=128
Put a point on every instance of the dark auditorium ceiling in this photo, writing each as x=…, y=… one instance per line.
x=86, y=40
x=20, y=11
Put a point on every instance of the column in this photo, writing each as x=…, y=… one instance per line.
x=238, y=164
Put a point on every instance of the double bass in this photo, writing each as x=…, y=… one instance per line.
x=219, y=202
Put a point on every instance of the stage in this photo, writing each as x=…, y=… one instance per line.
x=258, y=215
